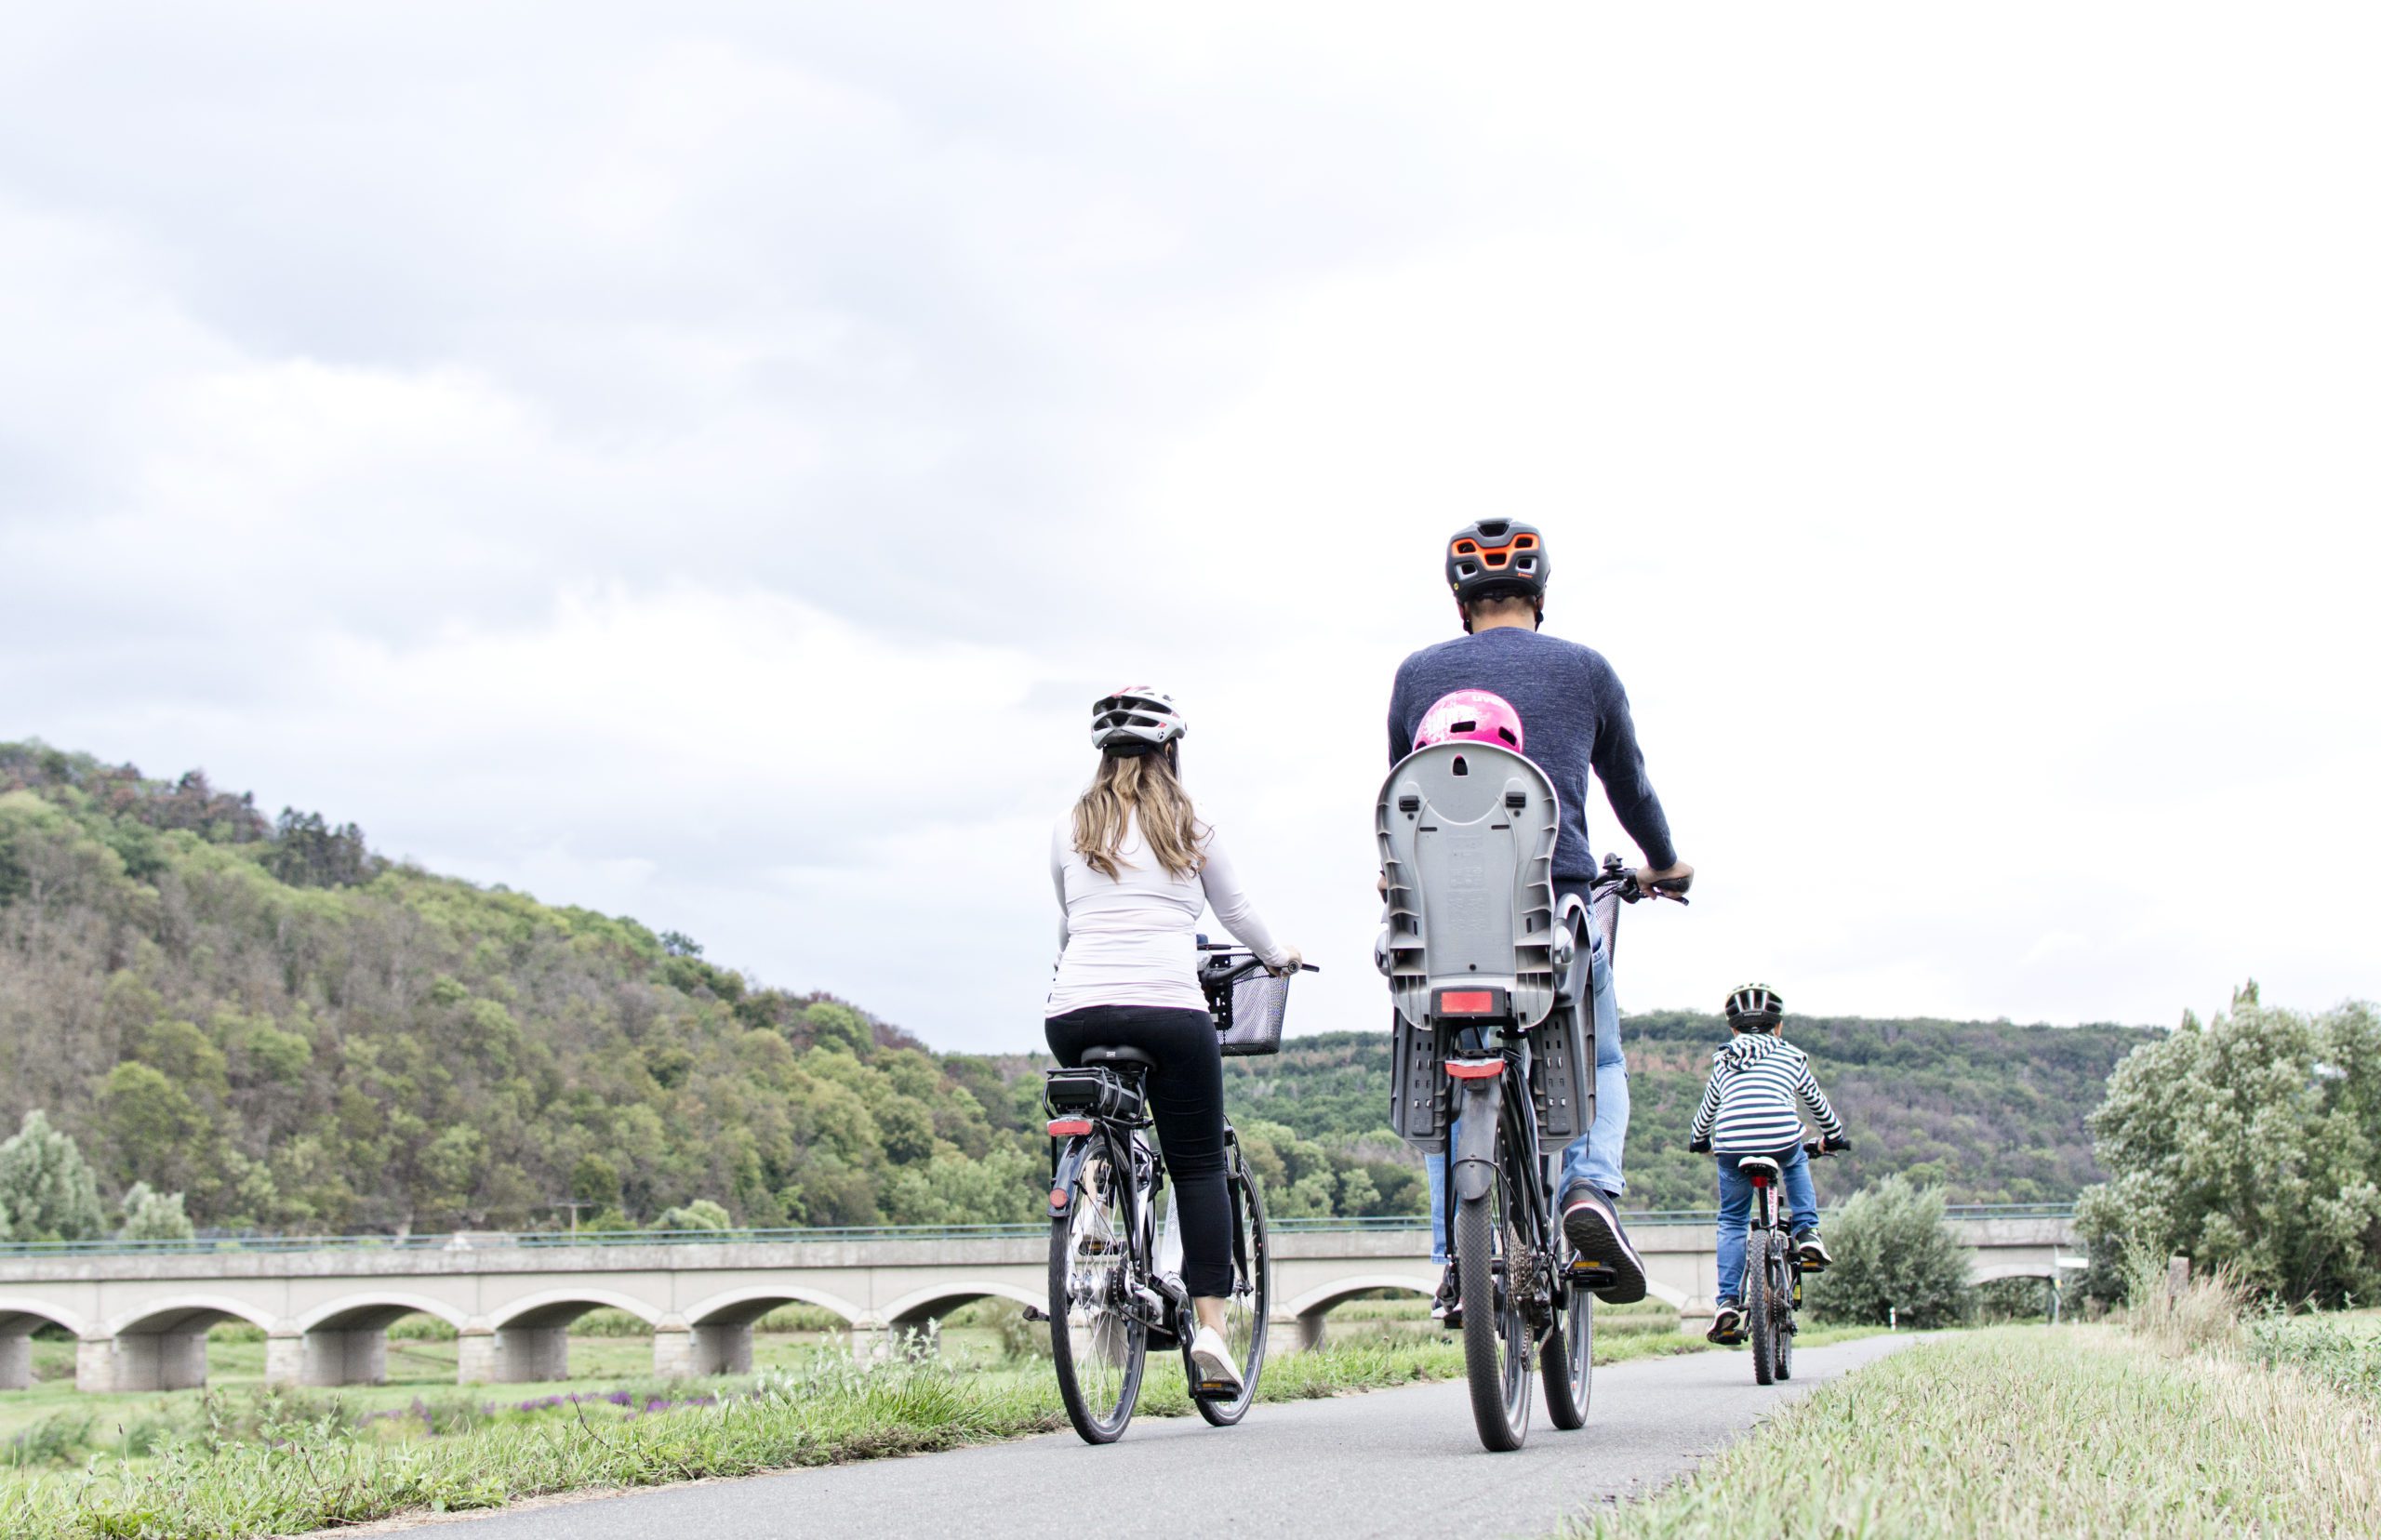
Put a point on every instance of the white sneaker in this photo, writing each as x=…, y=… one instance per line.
x=1218, y=1374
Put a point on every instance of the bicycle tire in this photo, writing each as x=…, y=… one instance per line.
x=1497, y=1348
x=1782, y=1353
x=1760, y=1324
x=1098, y=1351
x=1252, y=1302
x=1566, y=1360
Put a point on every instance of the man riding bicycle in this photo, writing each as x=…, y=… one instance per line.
x=1578, y=722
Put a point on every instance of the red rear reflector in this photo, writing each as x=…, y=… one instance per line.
x=1061, y=1128
x=1467, y=1001
x=1057, y=1197
x=1760, y=1181
x=1475, y=1068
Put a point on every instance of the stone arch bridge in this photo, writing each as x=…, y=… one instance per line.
x=141, y=1315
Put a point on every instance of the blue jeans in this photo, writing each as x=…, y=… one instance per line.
x=1736, y=1210
x=1595, y=1155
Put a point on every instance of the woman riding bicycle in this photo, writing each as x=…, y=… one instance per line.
x=1134, y=869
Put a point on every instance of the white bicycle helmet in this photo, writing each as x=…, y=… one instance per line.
x=1135, y=719
x=1756, y=1003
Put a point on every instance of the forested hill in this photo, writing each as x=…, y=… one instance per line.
x=301, y=1036
x=1993, y=1112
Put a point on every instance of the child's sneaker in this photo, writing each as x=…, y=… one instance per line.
x=1727, y=1325
x=1813, y=1250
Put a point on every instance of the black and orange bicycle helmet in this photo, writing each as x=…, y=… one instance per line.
x=1496, y=556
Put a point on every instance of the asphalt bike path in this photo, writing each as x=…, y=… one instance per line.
x=1389, y=1462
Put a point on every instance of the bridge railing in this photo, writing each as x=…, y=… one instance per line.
x=216, y=1245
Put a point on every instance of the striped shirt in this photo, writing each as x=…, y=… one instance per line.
x=1750, y=1105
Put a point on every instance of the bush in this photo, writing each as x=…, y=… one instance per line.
x=2012, y=1299
x=153, y=1216
x=700, y=1214
x=1895, y=1259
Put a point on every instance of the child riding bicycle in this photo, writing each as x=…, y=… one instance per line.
x=1752, y=1106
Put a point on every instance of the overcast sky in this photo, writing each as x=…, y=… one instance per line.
x=703, y=463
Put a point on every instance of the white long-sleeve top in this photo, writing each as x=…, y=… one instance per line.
x=1131, y=939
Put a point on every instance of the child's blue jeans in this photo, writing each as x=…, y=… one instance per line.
x=1736, y=1210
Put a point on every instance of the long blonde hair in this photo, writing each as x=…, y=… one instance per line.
x=1142, y=786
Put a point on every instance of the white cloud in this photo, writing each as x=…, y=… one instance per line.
x=602, y=459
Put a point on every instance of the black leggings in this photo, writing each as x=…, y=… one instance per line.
x=1187, y=1099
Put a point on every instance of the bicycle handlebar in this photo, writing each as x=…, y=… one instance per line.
x=1631, y=891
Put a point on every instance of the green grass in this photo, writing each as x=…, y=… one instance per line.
x=2342, y=1351
x=2079, y=1432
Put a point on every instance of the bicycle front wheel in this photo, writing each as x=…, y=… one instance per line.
x=1251, y=1301
x=1761, y=1317
x=1566, y=1359
x=1497, y=1348
x=1098, y=1347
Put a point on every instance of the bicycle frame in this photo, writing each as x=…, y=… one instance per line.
x=1154, y=1300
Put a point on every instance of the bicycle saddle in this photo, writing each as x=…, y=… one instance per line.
x=1758, y=1165
x=1119, y=1054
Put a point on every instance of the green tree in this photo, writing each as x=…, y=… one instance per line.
x=153, y=1216
x=46, y=1187
x=2252, y=1140
x=1895, y=1258
x=838, y=1026
x=595, y=1180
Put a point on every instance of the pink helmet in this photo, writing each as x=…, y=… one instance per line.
x=1474, y=714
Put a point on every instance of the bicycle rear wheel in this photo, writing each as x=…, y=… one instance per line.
x=1496, y=1348
x=1251, y=1302
x=1761, y=1323
x=1099, y=1348
x=1782, y=1341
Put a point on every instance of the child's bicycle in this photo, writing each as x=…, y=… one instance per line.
x=1114, y=1293
x=1773, y=1280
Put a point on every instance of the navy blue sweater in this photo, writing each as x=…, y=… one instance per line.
x=1574, y=718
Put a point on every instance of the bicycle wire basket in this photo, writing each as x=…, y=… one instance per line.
x=1248, y=1015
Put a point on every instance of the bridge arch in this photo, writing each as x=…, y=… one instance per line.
x=187, y=1313
x=742, y=1307
x=25, y=1317
x=914, y=1308
x=1315, y=1301
x=375, y=1311
x=558, y=1307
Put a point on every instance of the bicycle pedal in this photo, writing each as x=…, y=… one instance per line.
x=1592, y=1273
x=1211, y=1389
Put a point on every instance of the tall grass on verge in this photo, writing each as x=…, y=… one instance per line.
x=2083, y=1433
x=2202, y=1316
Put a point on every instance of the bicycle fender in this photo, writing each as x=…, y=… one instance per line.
x=1062, y=1176
x=1475, y=1142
